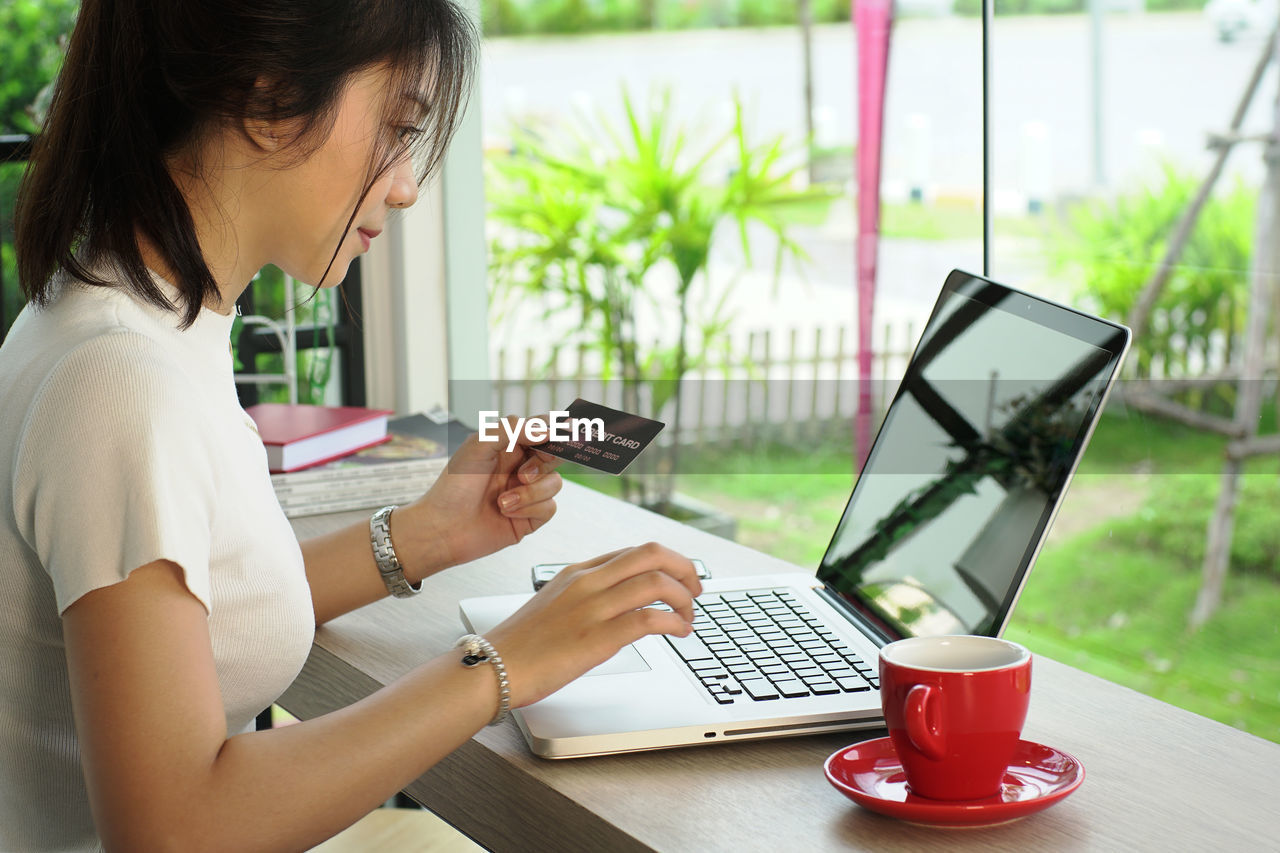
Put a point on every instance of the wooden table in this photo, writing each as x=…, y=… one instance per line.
x=1157, y=777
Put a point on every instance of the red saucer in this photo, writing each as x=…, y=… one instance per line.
x=870, y=774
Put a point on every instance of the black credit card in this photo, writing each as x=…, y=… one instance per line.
x=607, y=439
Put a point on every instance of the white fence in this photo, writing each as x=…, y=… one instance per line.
x=802, y=383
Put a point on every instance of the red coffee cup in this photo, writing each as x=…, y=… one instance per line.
x=955, y=706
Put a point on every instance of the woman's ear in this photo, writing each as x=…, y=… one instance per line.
x=264, y=134
x=262, y=124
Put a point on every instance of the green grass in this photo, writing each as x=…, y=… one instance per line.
x=1120, y=612
x=787, y=501
x=1133, y=443
x=1129, y=442
x=1129, y=582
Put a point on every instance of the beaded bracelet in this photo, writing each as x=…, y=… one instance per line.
x=479, y=650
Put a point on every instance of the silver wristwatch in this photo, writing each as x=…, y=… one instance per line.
x=384, y=555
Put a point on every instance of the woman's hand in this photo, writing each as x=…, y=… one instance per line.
x=589, y=611
x=488, y=498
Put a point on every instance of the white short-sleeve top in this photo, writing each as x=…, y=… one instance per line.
x=122, y=442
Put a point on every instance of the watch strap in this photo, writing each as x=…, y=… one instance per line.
x=384, y=555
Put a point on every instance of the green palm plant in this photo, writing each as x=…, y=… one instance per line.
x=585, y=219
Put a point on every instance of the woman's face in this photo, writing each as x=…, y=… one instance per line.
x=309, y=203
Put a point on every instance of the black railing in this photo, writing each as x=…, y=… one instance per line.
x=347, y=336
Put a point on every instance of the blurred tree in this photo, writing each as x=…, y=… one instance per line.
x=584, y=215
x=32, y=37
x=1114, y=245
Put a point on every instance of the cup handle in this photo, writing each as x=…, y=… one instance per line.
x=922, y=716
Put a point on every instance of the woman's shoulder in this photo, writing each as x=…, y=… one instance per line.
x=90, y=321
x=98, y=357
x=92, y=365
x=111, y=399
x=94, y=335
x=74, y=309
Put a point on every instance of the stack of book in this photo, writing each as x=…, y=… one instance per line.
x=396, y=471
x=299, y=436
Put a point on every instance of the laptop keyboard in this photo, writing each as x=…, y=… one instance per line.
x=764, y=644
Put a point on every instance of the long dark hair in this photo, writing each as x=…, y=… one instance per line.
x=143, y=78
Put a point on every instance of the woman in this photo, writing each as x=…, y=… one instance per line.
x=156, y=599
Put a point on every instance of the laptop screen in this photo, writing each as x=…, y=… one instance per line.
x=971, y=460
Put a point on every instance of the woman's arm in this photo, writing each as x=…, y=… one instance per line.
x=162, y=773
x=488, y=498
x=340, y=567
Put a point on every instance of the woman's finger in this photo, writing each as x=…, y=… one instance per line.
x=537, y=514
x=588, y=611
x=645, y=558
x=528, y=433
x=538, y=429
x=515, y=502
x=538, y=465
x=568, y=573
x=634, y=624
x=640, y=591
x=512, y=444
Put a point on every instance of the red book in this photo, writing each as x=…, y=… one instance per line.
x=299, y=436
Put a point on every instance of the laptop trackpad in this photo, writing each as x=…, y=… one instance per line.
x=626, y=660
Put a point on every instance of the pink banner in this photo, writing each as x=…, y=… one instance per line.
x=872, y=20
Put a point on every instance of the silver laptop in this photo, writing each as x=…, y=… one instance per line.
x=956, y=498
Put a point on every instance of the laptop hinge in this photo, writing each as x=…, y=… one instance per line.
x=854, y=618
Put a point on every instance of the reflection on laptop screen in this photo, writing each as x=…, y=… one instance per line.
x=970, y=461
